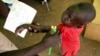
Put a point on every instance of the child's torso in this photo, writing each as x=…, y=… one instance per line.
x=70, y=34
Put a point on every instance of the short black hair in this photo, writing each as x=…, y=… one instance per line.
x=84, y=10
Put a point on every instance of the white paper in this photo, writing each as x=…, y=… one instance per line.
x=19, y=14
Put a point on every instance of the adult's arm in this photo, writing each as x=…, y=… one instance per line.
x=4, y=10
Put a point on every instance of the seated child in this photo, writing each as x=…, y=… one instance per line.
x=68, y=32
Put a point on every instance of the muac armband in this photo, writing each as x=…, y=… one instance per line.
x=53, y=30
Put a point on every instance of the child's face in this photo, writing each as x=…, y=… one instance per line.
x=69, y=19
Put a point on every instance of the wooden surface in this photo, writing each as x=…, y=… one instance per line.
x=93, y=31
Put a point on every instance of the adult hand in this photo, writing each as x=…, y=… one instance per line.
x=30, y=27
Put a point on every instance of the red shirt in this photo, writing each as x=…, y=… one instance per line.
x=70, y=39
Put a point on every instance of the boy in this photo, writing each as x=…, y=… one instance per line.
x=73, y=21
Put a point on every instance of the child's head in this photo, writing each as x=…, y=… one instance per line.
x=78, y=14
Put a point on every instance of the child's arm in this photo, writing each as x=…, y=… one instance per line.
x=47, y=42
x=51, y=39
